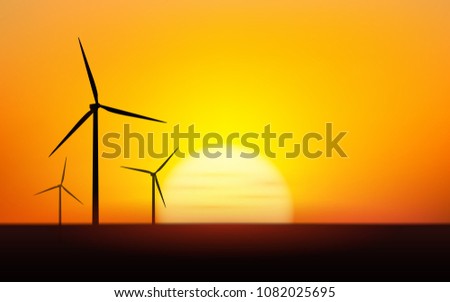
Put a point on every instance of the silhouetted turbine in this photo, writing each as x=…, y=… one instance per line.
x=154, y=182
x=61, y=187
x=94, y=111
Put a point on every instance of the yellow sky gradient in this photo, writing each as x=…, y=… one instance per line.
x=379, y=70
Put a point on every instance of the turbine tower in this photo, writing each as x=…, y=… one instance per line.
x=61, y=187
x=155, y=182
x=93, y=110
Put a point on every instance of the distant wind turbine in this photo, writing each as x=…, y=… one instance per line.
x=61, y=187
x=94, y=111
x=155, y=182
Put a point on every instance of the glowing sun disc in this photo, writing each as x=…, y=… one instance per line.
x=226, y=190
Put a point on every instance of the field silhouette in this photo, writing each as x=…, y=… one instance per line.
x=225, y=252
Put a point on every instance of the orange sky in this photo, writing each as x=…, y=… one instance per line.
x=379, y=70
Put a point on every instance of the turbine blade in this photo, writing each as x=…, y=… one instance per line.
x=80, y=122
x=64, y=171
x=68, y=192
x=88, y=69
x=135, y=169
x=126, y=113
x=160, y=192
x=164, y=163
x=49, y=189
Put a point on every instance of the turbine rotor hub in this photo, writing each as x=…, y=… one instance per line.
x=94, y=106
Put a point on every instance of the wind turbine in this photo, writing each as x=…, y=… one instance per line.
x=93, y=110
x=61, y=187
x=154, y=182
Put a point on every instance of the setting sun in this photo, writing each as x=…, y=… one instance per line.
x=226, y=190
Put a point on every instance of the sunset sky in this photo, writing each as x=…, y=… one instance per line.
x=377, y=69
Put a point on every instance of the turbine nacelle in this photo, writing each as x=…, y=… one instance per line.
x=94, y=107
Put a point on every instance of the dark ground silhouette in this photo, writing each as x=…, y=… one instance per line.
x=225, y=253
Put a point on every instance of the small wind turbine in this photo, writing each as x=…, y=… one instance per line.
x=155, y=182
x=93, y=110
x=61, y=187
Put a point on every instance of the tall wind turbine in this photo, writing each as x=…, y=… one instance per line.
x=61, y=187
x=93, y=110
x=155, y=182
